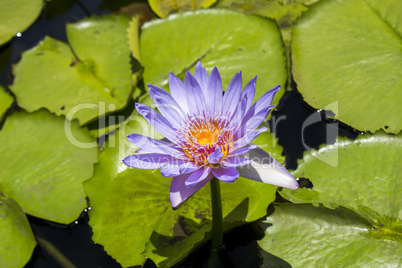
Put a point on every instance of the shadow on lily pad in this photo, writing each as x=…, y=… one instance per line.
x=272, y=261
x=240, y=244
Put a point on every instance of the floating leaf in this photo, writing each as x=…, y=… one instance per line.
x=306, y=236
x=364, y=172
x=17, y=240
x=16, y=16
x=84, y=84
x=44, y=160
x=165, y=7
x=5, y=101
x=139, y=199
x=133, y=37
x=285, y=12
x=230, y=40
x=349, y=52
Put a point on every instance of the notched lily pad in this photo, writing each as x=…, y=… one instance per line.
x=5, y=102
x=348, y=53
x=329, y=238
x=229, y=40
x=284, y=12
x=165, y=7
x=45, y=159
x=363, y=172
x=17, y=239
x=85, y=82
x=366, y=178
x=133, y=37
x=16, y=16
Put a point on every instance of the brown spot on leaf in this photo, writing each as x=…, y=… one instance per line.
x=74, y=62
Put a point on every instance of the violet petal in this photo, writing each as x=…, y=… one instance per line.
x=159, y=122
x=214, y=101
x=178, y=92
x=198, y=176
x=202, y=77
x=232, y=95
x=194, y=95
x=151, y=161
x=226, y=174
x=248, y=138
x=242, y=150
x=266, y=169
x=179, y=192
x=236, y=161
x=265, y=101
x=214, y=157
x=148, y=144
x=167, y=106
x=248, y=92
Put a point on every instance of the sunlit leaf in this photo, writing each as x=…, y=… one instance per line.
x=365, y=172
x=44, y=160
x=230, y=40
x=16, y=16
x=5, y=101
x=285, y=12
x=363, y=175
x=133, y=37
x=307, y=236
x=17, y=240
x=132, y=206
x=165, y=7
x=84, y=83
x=349, y=53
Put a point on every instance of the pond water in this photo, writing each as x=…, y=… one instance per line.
x=74, y=241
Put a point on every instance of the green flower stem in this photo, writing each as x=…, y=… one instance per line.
x=217, y=223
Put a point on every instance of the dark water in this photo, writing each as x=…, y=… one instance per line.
x=74, y=242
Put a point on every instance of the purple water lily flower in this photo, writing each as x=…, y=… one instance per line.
x=207, y=134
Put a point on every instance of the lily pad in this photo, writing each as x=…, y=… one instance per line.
x=165, y=7
x=307, y=236
x=284, y=12
x=85, y=82
x=17, y=239
x=229, y=40
x=132, y=206
x=133, y=37
x=45, y=159
x=5, y=101
x=349, y=52
x=364, y=173
x=16, y=16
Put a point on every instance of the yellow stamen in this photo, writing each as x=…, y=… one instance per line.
x=206, y=136
x=201, y=137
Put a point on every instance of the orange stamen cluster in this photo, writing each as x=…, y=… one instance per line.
x=202, y=134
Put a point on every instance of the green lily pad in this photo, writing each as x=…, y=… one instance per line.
x=306, y=236
x=16, y=16
x=139, y=199
x=359, y=174
x=17, y=239
x=92, y=79
x=229, y=40
x=165, y=7
x=5, y=101
x=284, y=12
x=44, y=160
x=349, y=52
x=133, y=37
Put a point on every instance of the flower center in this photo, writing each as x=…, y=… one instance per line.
x=202, y=134
x=206, y=135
